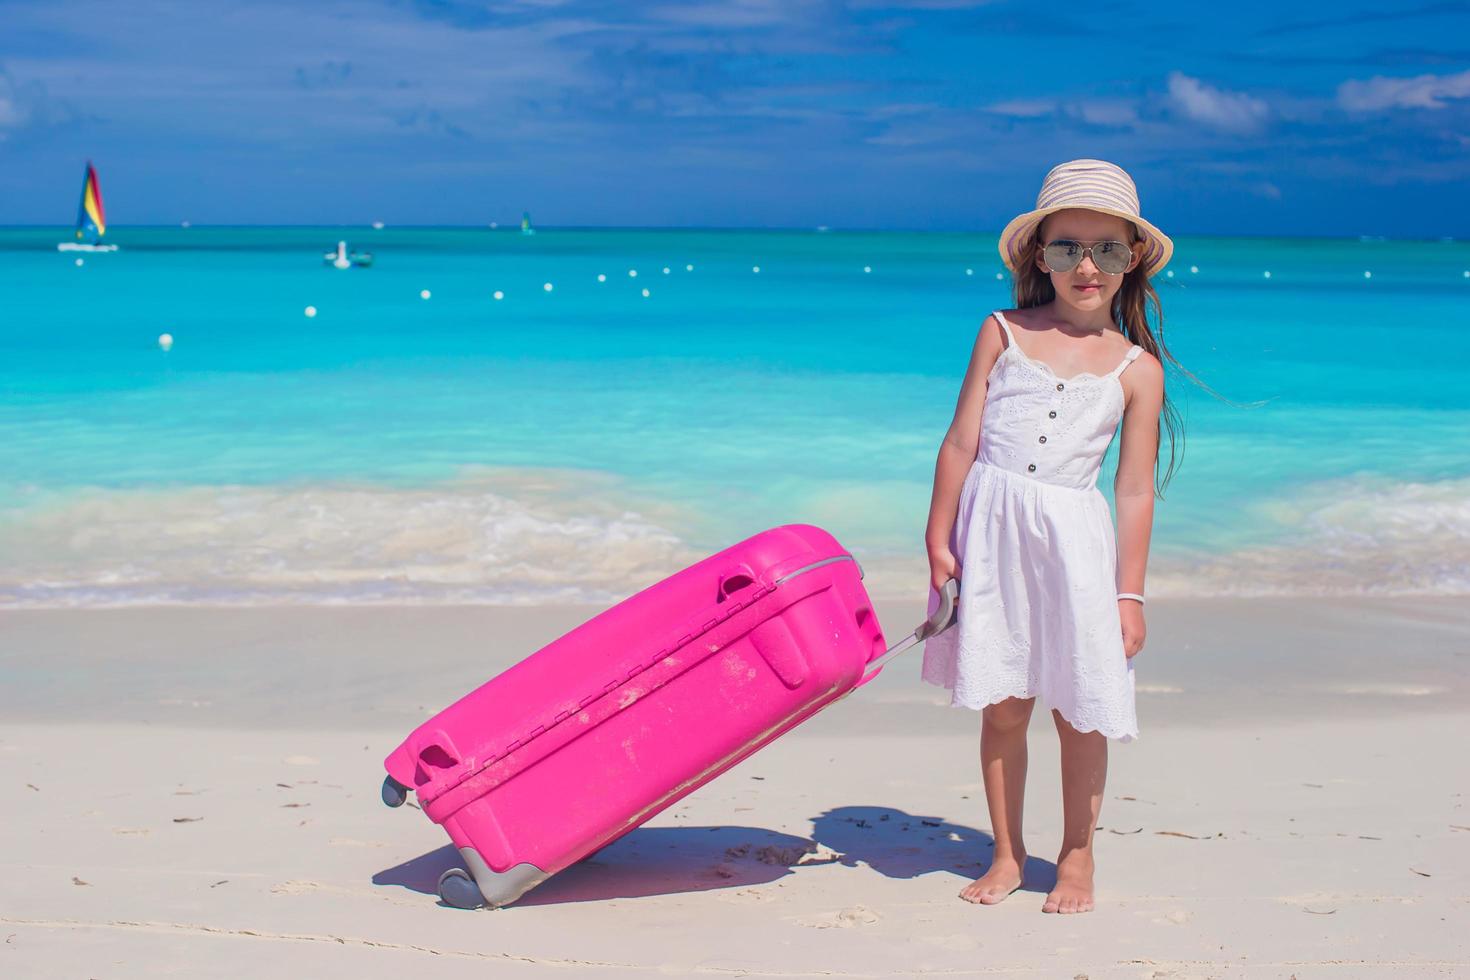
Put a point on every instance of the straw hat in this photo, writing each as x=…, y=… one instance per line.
x=1097, y=186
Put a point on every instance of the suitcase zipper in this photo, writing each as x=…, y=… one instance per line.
x=819, y=564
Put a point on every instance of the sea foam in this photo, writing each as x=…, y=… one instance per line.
x=518, y=537
x=513, y=537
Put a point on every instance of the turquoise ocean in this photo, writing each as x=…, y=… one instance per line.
x=581, y=441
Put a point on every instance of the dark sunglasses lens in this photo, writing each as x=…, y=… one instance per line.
x=1062, y=256
x=1111, y=257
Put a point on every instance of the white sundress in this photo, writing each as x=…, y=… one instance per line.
x=1034, y=538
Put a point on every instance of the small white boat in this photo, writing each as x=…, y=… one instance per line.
x=343, y=259
x=91, y=220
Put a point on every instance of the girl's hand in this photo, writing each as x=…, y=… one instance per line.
x=943, y=566
x=1130, y=612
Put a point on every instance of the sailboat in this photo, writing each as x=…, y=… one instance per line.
x=90, y=218
x=342, y=259
x=526, y=228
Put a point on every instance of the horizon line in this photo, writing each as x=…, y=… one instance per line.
x=801, y=229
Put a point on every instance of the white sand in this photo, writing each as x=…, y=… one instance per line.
x=211, y=780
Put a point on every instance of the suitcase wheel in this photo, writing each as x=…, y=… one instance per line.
x=394, y=792
x=458, y=889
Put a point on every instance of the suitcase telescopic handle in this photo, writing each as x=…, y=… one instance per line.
x=943, y=619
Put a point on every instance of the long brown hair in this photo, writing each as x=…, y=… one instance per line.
x=1032, y=287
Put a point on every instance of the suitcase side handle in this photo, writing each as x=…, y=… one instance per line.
x=939, y=621
x=737, y=578
x=435, y=754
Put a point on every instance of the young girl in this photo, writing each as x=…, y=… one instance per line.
x=1049, y=603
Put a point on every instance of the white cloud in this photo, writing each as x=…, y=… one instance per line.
x=1096, y=112
x=898, y=110
x=1234, y=112
x=20, y=105
x=916, y=4
x=1419, y=92
x=400, y=65
x=1025, y=108
x=1107, y=113
x=9, y=111
x=924, y=134
x=731, y=15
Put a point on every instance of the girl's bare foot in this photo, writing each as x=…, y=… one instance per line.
x=1002, y=878
x=1074, y=883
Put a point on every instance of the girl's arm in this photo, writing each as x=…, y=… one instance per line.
x=961, y=443
x=1133, y=487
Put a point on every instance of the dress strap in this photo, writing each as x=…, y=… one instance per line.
x=1127, y=360
x=1001, y=319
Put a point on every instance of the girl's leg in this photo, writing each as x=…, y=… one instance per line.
x=1084, y=771
x=1003, y=764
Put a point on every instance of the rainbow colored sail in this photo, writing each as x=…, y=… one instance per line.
x=90, y=217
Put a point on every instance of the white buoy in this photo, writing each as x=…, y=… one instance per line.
x=378, y=225
x=867, y=268
x=1267, y=273
x=1000, y=275
x=1367, y=274
x=424, y=294
x=1466, y=274
x=645, y=293
x=1170, y=273
x=602, y=277
x=632, y=273
x=165, y=341
x=79, y=263
x=666, y=270
x=755, y=268
x=690, y=268
x=546, y=286
x=499, y=294
x=1194, y=268
x=969, y=272
x=310, y=311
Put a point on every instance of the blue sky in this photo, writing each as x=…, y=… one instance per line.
x=1242, y=118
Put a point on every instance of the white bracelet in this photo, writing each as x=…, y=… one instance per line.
x=1131, y=595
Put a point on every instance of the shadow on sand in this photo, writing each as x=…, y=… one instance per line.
x=676, y=860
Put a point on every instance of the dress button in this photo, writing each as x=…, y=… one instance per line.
x=1060, y=386
x=1043, y=438
x=1051, y=415
x=1032, y=468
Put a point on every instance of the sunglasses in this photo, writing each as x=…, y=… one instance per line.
x=1064, y=255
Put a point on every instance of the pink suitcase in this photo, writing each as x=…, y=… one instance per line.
x=600, y=730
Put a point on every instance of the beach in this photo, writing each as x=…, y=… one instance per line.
x=194, y=792
x=407, y=338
